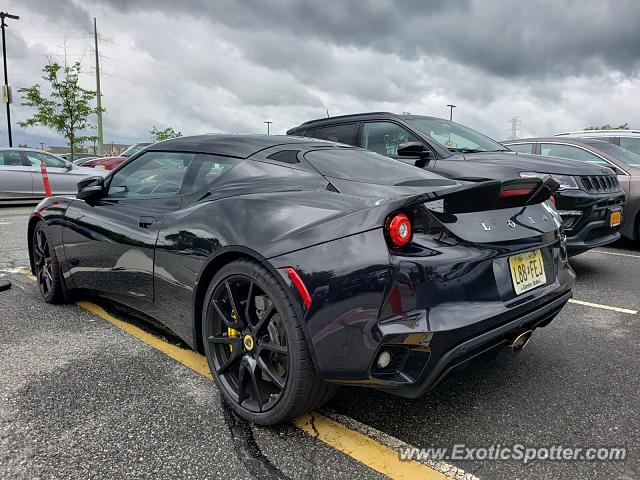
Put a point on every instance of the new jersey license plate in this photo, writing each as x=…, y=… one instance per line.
x=527, y=271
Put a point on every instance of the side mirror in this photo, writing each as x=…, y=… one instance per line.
x=68, y=165
x=90, y=188
x=416, y=150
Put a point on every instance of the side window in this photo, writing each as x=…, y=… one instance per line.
x=631, y=143
x=151, y=175
x=10, y=159
x=50, y=161
x=206, y=170
x=571, y=152
x=384, y=137
x=521, y=147
x=345, y=133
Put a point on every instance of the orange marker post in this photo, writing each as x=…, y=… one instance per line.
x=45, y=179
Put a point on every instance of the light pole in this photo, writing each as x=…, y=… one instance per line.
x=451, y=107
x=268, y=125
x=41, y=145
x=4, y=15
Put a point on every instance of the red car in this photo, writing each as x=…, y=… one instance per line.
x=109, y=163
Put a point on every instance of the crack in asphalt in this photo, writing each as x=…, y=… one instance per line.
x=247, y=450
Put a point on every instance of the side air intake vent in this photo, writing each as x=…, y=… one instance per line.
x=285, y=156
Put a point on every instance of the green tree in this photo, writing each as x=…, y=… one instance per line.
x=166, y=134
x=66, y=109
x=624, y=126
x=23, y=145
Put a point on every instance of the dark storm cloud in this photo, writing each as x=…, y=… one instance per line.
x=503, y=38
x=64, y=12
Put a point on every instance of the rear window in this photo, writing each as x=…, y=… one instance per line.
x=631, y=143
x=367, y=167
x=11, y=159
x=620, y=154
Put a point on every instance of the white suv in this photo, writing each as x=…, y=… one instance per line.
x=627, y=139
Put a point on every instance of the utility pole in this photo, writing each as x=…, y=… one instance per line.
x=515, y=126
x=5, y=88
x=98, y=94
x=451, y=107
x=268, y=125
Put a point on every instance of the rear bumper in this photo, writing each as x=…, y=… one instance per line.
x=477, y=345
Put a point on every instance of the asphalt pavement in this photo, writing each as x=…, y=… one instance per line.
x=82, y=398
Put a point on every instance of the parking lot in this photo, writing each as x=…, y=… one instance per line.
x=89, y=391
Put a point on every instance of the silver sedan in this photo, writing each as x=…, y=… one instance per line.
x=21, y=176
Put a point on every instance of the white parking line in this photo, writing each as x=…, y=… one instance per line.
x=604, y=307
x=616, y=253
x=5, y=223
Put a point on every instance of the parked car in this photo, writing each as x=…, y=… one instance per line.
x=296, y=265
x=591, y=218
x=21, y=176
x=627, y=139
x=78, y=156
x=594, y=151
x=82, y=161
x=109, y=163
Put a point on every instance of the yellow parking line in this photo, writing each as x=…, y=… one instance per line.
x=357, y=446
x=361, y=448
x=604, y=307
x=364, y=449
x=188, y=358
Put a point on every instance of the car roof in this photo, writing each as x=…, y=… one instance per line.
x=23, y=149
x=358, y=116
x=568, y=140
x=230, y=145
x=615, y=132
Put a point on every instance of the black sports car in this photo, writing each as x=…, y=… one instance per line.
x=296, y=265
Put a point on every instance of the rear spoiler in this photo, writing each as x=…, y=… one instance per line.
x=491, y=195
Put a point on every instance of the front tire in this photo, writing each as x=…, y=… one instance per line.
x=255, y=346
x=46, y=267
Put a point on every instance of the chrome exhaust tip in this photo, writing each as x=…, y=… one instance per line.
x=519, y=342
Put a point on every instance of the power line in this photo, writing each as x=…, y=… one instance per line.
x=198, y=99
x=209, y=72
x=181, y=79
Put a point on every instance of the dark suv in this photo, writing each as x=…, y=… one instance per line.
x=591, y=217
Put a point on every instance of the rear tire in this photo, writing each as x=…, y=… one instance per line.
x=46, y=266
x=256, y=348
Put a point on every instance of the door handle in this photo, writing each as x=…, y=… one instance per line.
x=146, y=222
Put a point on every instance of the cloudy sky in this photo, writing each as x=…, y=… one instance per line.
x=227, y=66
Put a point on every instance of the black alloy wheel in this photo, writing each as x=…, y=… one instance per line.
x=46, y=267
x=249, y=343
x=42, y=262
x=256, y=348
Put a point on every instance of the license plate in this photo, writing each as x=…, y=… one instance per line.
x=615, y=218
x=527, y=271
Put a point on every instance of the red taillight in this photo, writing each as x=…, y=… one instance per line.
x=300, y=286
x=553, y=202
x=398, y=230
x=516, y=192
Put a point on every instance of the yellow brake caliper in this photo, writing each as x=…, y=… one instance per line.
x=232, y=332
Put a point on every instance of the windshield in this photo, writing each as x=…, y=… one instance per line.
x=134, y=149
x=456, y=137
x=621, y=154
x=368, y=167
